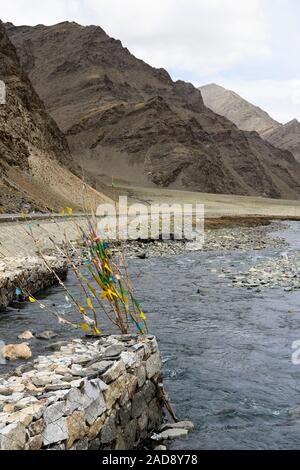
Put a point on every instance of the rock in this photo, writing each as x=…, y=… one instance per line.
x=96, y=409
x=76, y=427
x=142, y=424
x=37, y=427
x=83, y=444
x=33, y=403
x=46, y=335
x=139, y=404
x=170, y=434
x=54, y=412
x=20, y=417
x=149, y=391
x=160, y=447
x=57, y=345
x=155, y=414
x=131, y=384
x=83, y=398
x=153, y=365
x=96, y=427
x=120, y=441
x=55, y=431
x=189, y=425
x=13, y=437
x=62, y=370
x=5, y=391
x=128, y=358
x=115, y=391
x=35, y=443
x=9, y=408
x=109, y=430
x=73, y=400
x=141, y=375
x=77, y=370
x=124, y=414
x=57, y=387
x=16, y=351
x=41, y=380
x=113, y=351
x=113, y=372
x=99, y=367
x=26, y=335
x=17, y=388
x=130, y=434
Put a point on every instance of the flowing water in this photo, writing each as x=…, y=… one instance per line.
x=226, y=350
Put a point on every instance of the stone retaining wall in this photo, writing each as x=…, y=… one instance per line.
x=103, y=394
x=30, y=274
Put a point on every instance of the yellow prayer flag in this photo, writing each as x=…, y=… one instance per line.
x=142, y=315
x=89, y=302
x=83, y=310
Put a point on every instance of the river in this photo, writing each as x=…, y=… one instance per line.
x=226, y=350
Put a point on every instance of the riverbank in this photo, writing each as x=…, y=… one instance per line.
x=21, y=277
x=105, y=394
x=31, y=275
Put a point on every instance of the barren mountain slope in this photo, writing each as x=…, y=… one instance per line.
x=126, y=119
x=249, y=117
x=286, y=137
x=34, y=154
x=243, y=114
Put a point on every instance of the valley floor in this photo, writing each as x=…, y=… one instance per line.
x=216, y=205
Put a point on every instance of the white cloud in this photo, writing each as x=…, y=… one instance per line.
x=252, y=46
x=200, y=36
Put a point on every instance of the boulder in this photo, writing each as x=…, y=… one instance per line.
x=26, y=335
x=17, y=351
x=46, y=335
x=13, y=437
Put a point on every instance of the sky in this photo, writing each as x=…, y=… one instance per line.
x=249, y=46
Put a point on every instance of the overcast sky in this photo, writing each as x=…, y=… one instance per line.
x=250, y=46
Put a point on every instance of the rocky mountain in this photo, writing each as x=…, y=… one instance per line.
x=248, y=117
x=34, y=153
x=243, y=114
x=286, y=137
x=125, y=119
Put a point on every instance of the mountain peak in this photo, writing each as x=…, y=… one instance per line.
x=293, y=122
x=241, y=112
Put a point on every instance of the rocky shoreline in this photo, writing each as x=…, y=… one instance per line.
x=221, y=239
x=28, y=275
x=102, y=394
x=280, y=272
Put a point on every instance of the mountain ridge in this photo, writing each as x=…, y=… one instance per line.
x=34, y=153
x=241, y=112
x=128, y=120
x=250, y=117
